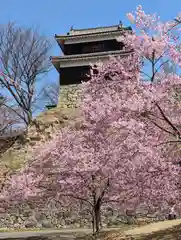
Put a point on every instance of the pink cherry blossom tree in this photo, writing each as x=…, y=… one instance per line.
x=123, y=150
x=158, y=46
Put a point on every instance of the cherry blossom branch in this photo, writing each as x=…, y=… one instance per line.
x=157, y=125
x=161, y=66
x=167, y=120
x=76, y=197
x=167, y=142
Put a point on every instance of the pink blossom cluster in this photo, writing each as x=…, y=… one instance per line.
x=154, y=40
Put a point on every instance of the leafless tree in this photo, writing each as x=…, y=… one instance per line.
x=8, y=118
x=51, y=93
x=24, y=57
x=3, y=123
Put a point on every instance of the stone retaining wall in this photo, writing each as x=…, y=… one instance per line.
x=54, y=215
x=69, y=95
x=64, y=219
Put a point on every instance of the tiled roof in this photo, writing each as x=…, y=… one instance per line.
x=89, y=55
x=95, y=30
x=73, y=33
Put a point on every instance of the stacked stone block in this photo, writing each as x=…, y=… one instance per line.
x=69, y=96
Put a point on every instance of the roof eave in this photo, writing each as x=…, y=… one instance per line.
x=64, y=37
x=56, y=63
x=96, y=54
x=60, y=42
x=59, y=62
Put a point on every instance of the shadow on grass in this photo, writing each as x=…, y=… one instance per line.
x=166, y=234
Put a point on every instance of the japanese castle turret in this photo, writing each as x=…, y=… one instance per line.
x=81, y=48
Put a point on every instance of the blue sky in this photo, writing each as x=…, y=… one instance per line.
x=57, y=16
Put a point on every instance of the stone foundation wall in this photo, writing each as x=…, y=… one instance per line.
x=50, y=217
x=69, y=95
x=66, y=219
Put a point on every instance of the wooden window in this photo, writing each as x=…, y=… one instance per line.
x=98, y=47
x=93, y=48
x=83, y=74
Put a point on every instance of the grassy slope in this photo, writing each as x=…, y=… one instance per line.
x=164, y=230
x=49, y=122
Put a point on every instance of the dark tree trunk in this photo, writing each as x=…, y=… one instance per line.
x=97, y=216
x=93, y=222
x=96, y=213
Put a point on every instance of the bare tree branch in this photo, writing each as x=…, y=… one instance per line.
x=8, y=118
x=23, y=58
x=51, y=93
